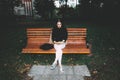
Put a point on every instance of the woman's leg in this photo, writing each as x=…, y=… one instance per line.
x=59, y=53
x=60, y=60
x=56, y=56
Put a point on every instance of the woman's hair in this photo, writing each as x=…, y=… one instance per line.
x=58, y=20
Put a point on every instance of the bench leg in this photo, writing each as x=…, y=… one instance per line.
x=90, y=47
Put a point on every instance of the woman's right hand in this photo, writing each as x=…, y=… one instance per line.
x=59, y=42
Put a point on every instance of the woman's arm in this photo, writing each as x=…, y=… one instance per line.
x=65, y=35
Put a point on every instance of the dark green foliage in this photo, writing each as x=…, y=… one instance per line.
x=92, y=10
x=44, y=8
x=7, y=11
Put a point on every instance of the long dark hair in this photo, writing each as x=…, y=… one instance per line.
x=59, y=20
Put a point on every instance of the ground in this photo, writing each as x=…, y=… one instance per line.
x=103, y=64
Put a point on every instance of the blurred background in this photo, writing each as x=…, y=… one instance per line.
x=106, y=11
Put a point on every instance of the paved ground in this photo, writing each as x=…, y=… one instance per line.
x=43, y=72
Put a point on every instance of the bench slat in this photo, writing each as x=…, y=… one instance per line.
x=51, y=28
x=48, y=33
x=46, y=40
x=52, y=51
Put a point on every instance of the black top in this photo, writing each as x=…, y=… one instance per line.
x=59, y=34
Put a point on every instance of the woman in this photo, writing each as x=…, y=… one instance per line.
x=59, y=37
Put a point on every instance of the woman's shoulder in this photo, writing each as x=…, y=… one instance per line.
x=64, y=28
x=54, y=29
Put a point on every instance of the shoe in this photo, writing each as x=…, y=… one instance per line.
x=61, y=70
x=53, y=67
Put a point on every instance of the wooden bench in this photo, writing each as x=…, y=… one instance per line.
x=76, y=43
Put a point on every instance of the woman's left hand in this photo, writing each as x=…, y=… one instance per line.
x=59, y=42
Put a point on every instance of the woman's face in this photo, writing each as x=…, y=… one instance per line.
x=59, y=24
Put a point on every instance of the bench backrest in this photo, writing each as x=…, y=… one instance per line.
x=42, y=35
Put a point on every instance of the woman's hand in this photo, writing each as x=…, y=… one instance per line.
x=59, y=42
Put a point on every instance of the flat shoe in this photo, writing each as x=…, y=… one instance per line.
x=53, y=67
